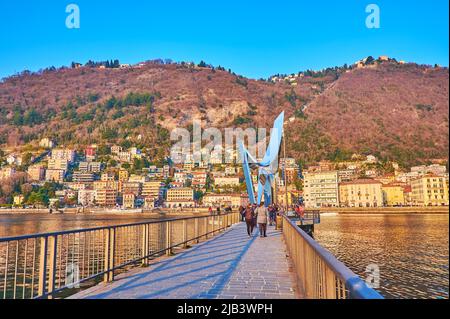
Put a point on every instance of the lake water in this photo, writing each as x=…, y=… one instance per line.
x=25, y=224
x=411, y=251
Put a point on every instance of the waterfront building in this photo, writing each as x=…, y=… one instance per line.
x=321, y=189
x=129, y=201
x=177, y=194
x=394, y=194
x=134, y=188
x=219, y=200
x=361, y=193
x=430, y=190
x=36, y=173
x=154, y=189
x=106, y=197
x=149, y=202
x=86, y=197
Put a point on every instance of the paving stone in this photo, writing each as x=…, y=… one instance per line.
x=228, y=266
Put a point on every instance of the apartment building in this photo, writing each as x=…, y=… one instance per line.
x=63, y=154
x=86, y=197
x=58, y=163
x=90, y=166
x=154, y=189
x=83, y=177
x=36, y=173
x=177, y=194
x=226, y=181
x=430, y=190
x=218, y=200
x=321, y=189
x=129, y=201
x=394, y=194
x=361, y=193
x=106, y=197
x=55, y=175
x=134, y=188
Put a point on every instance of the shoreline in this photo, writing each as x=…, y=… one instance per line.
x=165, y=212
x=442, y=210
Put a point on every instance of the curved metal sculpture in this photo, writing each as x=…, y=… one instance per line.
x=267, y=167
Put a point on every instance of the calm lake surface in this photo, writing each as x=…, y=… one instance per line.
x=411, y=251
x=25, y=224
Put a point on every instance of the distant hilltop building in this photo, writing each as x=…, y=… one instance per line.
x=47, y=143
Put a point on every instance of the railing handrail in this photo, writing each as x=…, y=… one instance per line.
x=357, y=287
x=83, y=230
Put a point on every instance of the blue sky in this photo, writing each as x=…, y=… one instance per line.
x=253, y=38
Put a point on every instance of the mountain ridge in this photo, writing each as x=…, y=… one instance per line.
x=396, y=111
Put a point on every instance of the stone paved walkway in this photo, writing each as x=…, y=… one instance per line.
x=229, y=266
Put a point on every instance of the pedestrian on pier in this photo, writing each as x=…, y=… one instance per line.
x=262, y=215
x=249, y=219
x=242, y=213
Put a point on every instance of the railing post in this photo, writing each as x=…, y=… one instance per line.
x=42, y=287
x=52, y=247
x=168, y=238
x=197, y=240
x=144, y=253
x=109, y=255
x=185, y=233
x=206, y=222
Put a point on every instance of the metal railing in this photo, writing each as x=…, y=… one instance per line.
x=320, y=275
x=53, y=264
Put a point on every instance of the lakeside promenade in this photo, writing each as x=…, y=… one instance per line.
x=202, y=210
x=231, y=265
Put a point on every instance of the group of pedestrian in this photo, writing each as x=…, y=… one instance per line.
x=259, y=216
x=227, y=210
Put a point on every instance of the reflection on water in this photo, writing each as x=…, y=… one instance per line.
x=410, y=250
x=26, y=224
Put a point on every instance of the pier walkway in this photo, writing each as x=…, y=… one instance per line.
x=229, y=266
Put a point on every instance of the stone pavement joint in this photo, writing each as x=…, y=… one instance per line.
x=231, y=265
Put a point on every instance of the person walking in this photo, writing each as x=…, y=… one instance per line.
x=262, y=215
x=242, y=213
x=249, y=219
